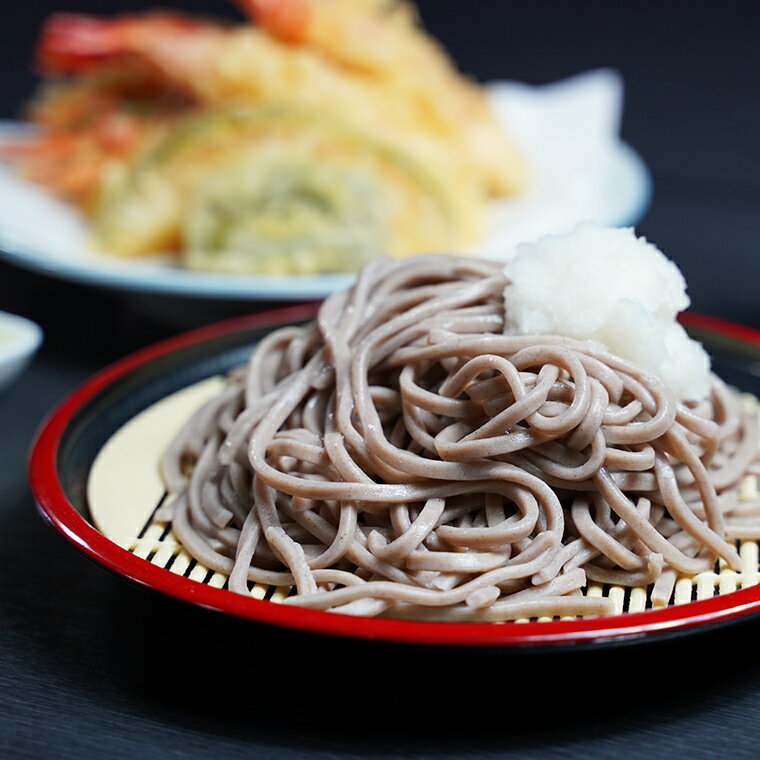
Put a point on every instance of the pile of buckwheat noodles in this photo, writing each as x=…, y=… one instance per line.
x=402, y=456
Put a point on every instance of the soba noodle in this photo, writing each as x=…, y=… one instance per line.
x=402, y=456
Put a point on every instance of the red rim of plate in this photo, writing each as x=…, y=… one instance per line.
x=61, y=514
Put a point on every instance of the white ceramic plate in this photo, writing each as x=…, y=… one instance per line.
x=579, y=171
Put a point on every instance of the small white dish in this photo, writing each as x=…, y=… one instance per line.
x=19, y=340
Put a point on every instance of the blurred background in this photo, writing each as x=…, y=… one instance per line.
x=692, y=110
x=82, y=669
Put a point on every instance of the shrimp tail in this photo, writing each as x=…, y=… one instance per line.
x=69, y=42
x=74, y=42
x=286, y=20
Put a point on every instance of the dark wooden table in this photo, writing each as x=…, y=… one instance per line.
x=93, y=667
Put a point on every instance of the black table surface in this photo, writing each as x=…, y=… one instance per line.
x=91, y=666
